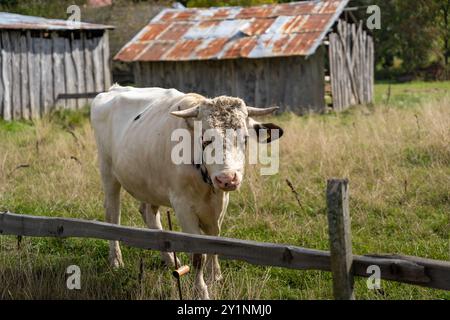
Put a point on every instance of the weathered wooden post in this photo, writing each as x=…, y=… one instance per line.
x=340, y=239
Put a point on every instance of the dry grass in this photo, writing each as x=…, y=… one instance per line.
x=397, y=160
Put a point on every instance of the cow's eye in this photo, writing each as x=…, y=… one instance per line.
x=206, y=143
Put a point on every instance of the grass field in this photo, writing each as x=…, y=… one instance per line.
x=396, y=155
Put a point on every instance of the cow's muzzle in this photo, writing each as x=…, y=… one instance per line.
x=227, y=181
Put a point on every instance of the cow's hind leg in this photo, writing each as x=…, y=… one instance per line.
x=152, y=219
x=112, y=209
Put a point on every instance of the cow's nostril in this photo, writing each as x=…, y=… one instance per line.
x=227, y=180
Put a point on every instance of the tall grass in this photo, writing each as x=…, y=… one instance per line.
x=397, y=160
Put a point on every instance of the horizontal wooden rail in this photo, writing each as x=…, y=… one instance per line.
x=412, y=270
x=66, y=96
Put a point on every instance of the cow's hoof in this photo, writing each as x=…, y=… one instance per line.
x=203, y=295
x=218, y=277
x=213, y=278
x=116, y=263
x=169, y=260
x=201, y=291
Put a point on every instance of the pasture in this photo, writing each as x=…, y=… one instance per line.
x=395, y=153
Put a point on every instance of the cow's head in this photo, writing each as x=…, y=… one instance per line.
x=226, y=120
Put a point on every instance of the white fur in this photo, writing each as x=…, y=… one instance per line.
x=136, y=155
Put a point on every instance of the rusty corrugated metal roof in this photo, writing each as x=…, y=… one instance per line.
x=99, y=3
x=18, y=21
x=295, y=28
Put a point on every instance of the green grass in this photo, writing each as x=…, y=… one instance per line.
x=397, y=157
x=410, y=94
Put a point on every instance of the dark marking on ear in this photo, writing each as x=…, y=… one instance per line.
x=268, y=127
x=137, y=117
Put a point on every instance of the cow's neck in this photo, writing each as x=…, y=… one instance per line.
x=203, y=170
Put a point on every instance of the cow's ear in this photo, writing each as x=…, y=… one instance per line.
x=266, y=128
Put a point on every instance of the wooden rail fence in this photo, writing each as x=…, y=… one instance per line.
x=340, y=260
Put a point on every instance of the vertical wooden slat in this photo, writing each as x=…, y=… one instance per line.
x=340, y=239
x=146, y=72
x=363, y=55
x=42, y=66
x=89, y=76
x=371, y=69
x=137, y=71
x=37, y=74
x=24, y=83
x=148, y=81
x=78, y=61
x=101, y=71
x=315, y=66
x=341, y=75
x=47, y=75
x=58, y=69
x=332, y=52
x=331, y=66
x=16, y=75
x=259, y=80
x=364, y=62
x=97, y=63
x=336, y=73
x=34, y=74
x=106, y=61
x=70, y=72
x=361, y=72
x=353, y=46
x=2, y=90
x=285, y=91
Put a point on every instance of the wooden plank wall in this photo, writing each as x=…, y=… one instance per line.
x=351, y=56
x=293, y=83
x=37, y=66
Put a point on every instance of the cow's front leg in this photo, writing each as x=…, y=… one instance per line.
x=213, y=267
x=212, y=260
x=190, y=224
x=198, y=261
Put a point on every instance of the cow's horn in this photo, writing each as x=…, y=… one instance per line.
x=188, y=113
x=255, y=112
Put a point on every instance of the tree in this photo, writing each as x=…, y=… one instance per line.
x=443, y=26
x=409, y=32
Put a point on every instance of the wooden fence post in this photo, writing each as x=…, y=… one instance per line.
x=340, y=239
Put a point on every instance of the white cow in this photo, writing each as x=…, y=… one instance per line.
x=133, y=128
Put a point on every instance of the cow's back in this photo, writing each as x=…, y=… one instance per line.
x=112, y=112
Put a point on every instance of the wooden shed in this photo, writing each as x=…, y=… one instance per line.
x=48, y=63
x=268, y=55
